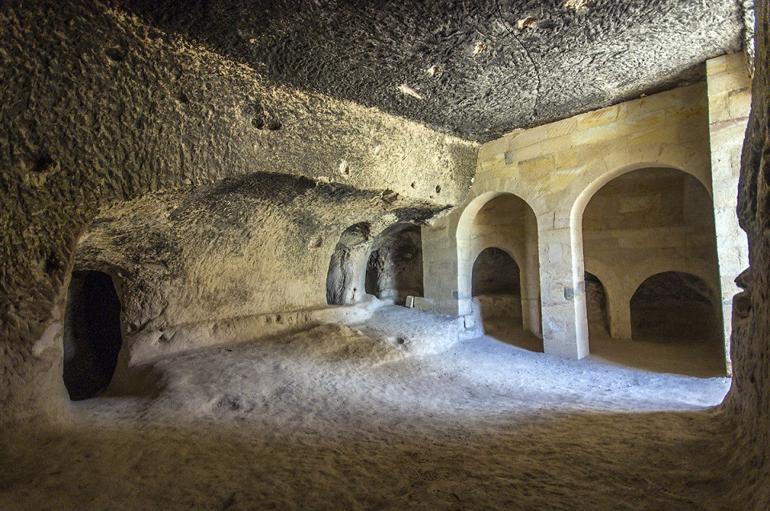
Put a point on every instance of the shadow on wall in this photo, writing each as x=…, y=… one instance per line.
x=673, y=306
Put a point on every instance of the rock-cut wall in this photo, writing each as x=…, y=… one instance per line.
x=97, y=107
x=748, y=402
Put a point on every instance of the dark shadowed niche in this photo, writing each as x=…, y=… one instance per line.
x=496, y=285
x=92, y=336
x=394, y=268
x=596, y=307
x=495, y=273
x=674, y=306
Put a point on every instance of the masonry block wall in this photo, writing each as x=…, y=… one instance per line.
x=556, y=169
x=729, y=92
x=644, y=223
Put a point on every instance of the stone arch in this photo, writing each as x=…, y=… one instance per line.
x=92, y=334
x=515, y=231
x=581, y=201
x=638, y=274
x=505, y=282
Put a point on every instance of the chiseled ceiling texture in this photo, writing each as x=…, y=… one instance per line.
x=474, y=68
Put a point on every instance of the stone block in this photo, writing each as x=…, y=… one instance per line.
x=598, y=117
x=538, y=164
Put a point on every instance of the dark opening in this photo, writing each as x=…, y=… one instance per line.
x=674, y=305
x=596, y=307
x=496, y=286
x=394, y=268
x=92, y=337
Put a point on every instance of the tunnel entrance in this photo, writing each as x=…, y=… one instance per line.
x=394, y=268
x=674, y=306
x=92, y=336
x=496, y=287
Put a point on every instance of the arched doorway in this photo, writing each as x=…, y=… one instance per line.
x=394, y=267
x=508, y=224
x=496, y=287
x=642, y=220
x=92, y=334
x=675, y=306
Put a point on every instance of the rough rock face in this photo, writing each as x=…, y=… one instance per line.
x=248, y=245
x=394, y=268
x=477, y=69
x=748, y=402
x=99, y=108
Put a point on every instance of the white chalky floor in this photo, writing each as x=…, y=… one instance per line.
x=392, y=414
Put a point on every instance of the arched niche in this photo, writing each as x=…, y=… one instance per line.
x=628, y=218
x=507, y=222
x=394, y=266
x=92, y=334
x=673, y=306
x=496, y=286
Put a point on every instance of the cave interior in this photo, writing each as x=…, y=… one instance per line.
x=293, y=254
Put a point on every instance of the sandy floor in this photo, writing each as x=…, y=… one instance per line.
x=388, y=415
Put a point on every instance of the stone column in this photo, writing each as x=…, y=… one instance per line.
x=530, y=283
x=565, y=326
x=619, y=309
x=439, y=270
x=729, y=98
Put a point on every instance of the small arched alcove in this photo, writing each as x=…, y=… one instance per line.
x=496, y=287
x=394, y=266
x=672, y=306
x=596, y=307
x=92, y=334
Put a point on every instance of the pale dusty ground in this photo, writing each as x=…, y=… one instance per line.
x=379, y=417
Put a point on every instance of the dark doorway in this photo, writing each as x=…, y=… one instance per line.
x=92, y=337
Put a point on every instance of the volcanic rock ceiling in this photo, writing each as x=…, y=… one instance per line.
x=475, y=68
